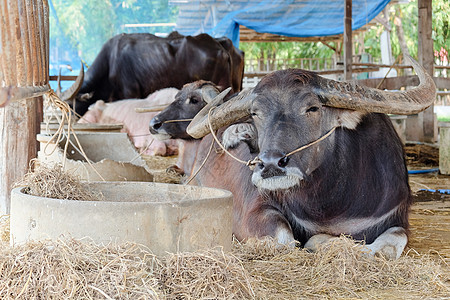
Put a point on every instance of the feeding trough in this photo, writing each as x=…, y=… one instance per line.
x=164, y=217
x=112, y=155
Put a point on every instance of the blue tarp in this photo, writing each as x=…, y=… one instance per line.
x=299, y=18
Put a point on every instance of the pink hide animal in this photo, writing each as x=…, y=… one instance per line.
x=135, y=124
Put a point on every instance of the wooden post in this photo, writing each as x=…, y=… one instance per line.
x=24, y=77
x=425, y=49
x=18, y=124
x=348, y=40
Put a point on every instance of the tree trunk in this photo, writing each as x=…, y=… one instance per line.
x=401, y=35
x=261, y=60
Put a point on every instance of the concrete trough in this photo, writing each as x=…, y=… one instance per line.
x=164, y=217
x=113, y=156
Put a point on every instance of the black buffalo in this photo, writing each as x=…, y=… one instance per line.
x=135, y=65
x=349, y=177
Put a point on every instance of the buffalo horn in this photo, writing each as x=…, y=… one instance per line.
x=58, y=81
x=356, y=97
x=335, y=94
x=209, y=92
x=74, y=88
x=234, y=109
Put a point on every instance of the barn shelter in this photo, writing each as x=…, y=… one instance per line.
x=20, y=120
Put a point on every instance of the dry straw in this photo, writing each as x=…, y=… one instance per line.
x=70, y=269
x=54, y=182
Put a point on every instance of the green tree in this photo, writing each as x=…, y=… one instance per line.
x=87, y=24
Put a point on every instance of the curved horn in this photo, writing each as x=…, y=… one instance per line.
x=58, y=81
x=356, y=97
x=209, y=92
x=74, y=88
x=234, y=109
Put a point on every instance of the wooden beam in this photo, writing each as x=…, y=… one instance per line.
x=251, y=36
x=348, y=40
x=425, y=50
x=14, y=93
x=327, y=72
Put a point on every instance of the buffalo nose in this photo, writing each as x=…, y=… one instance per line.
x=155, y=124
x=273, y=163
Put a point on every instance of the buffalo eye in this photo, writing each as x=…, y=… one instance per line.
x=193, y=100
x=312, y=109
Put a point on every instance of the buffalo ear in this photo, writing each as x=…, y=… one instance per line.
x=348, y=118
x=86, y=96
x=209, y=92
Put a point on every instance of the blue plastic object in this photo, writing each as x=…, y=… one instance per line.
x=423, y=171
x=442, y=191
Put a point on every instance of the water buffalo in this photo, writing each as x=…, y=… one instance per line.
x=329, y=161
x=135, y=65
x=135, y=124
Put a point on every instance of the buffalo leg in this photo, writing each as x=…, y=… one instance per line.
x=269, y=222
x=316, y=241
x=390, y=243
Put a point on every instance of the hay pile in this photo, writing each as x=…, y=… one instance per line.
x=421, y=155
x=342, y=270
x=256, y=270
x=162, y=168
x=55, y=182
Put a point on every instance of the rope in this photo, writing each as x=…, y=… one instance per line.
x=57, y=136
x=252, y=163
x=181, y=120
x=249, y=163
x=312, y=143
x=201, y=166
x=392, y=66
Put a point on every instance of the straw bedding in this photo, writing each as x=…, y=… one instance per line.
x=79, y=269
x=73, y=269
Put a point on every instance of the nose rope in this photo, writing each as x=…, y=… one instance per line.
x=253, y=162
x=312, y=143
x=181, y=120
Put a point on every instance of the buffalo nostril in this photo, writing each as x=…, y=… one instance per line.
x=283, y=162
x=261, y=165
x=155, y=124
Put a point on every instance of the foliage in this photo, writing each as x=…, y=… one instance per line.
x=94, y=22
x=79, y=21
x=285, y=49
x=440, y=27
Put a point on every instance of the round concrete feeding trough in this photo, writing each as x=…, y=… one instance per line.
x=164, y=217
